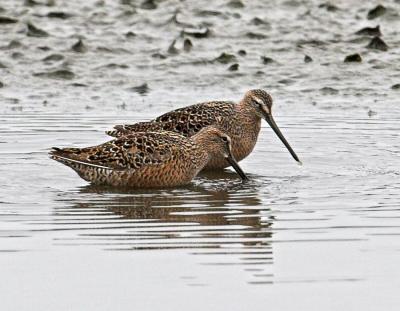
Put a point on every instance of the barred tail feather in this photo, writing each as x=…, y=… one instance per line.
x=117, y=131
x=70, y=162
x=95, y=173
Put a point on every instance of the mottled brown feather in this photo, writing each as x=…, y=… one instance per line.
x=186, y=121
x=150, y=159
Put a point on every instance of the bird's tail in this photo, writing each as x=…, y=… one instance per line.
x=117, y=131
x=91, y=172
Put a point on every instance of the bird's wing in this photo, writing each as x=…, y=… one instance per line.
x=186, y=121
x=128, y=152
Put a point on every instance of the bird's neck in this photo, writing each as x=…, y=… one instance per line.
x=202, y=139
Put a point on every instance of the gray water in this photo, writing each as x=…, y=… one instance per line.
x=322, y=236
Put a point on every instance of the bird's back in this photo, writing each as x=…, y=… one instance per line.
x=151, y=159
x=186, y=121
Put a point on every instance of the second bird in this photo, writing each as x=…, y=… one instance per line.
x=241, y=121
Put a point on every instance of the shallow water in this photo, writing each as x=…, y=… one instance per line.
x=322, y=236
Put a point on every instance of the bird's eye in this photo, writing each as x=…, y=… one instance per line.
x=257, y=103
x=225, y=139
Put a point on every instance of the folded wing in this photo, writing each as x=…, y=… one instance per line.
x=186, y=121
x=128, y=152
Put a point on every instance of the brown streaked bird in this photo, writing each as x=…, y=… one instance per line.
x=241, y=121
x=148, y=160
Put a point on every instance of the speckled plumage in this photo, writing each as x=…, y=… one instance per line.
x=186, y=121
x=150, y=159
x=241, y=121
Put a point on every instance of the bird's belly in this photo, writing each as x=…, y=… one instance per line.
x=170, y=174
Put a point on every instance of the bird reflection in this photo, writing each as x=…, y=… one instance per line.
x=218, y=215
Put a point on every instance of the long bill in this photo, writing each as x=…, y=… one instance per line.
x=272, y=124
x=237, y=168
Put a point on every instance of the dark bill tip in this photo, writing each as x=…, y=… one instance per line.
x=274, y=126
x=237, y=168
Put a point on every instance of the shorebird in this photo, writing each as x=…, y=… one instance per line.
x=148, y=160
x=241, y=121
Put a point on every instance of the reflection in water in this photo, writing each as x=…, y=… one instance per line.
x=220, y=216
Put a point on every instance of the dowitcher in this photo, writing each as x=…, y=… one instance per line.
x=148, y=159
x=241, y=121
